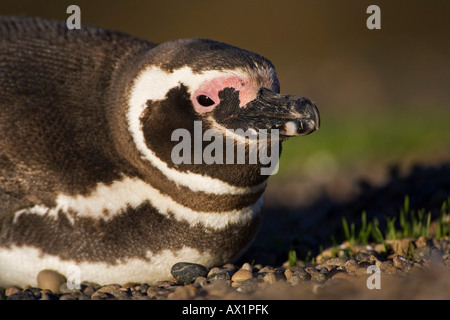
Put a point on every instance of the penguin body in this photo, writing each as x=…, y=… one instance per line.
x=87, y=176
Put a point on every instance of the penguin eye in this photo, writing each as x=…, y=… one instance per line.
x=205, y=101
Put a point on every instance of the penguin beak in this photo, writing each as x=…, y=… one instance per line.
x=291, y=115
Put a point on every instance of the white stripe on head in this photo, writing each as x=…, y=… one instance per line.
x=154, y=84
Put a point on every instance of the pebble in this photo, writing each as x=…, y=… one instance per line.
x=401, y=263
x=50, y=279
x=109, y=288
x=335, y=262
x=247, y=266
x=202, y=281
x=242, y=275
x=186, y=272
x=23, y=295
x=223, y=274
x=67, y=296
x=273, y=277
x=246, y=286
x=12, y=290
x=49, y=296
x=101, y=296
x=353, y=268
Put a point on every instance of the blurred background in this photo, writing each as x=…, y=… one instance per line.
x=383, y=95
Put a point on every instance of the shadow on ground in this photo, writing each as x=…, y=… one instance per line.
x=307, y=229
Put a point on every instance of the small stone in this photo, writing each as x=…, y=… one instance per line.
x=374, y=259
x=135, y=295
x=223, y=274
x=213, y=270
x=362, y=256
x=273, y=277
x=142, y=288
x=301, y=273
x=50, y=279
x=296, y=280
x=12, y=290
x=242, y=275
x=258, y=266
x=48, y=296
x=380, y=248
x=67, y=296
x=24, y=295
x=318, y=277
x=229, y=266
x=353, y=268
x=155, y=292
x=83, y=296
x=267, y=269
x=202, y=281
x=401, y=262
x=335, y=262
x=247, y=266
x=246, y=286
x=36, y=292
x=125, y=293
x=89, y=290
x=165, y=284
x=423, y=252
x=422, y=241
x=400, y=246
x=109, y=288
x=98, y=295
x=186, y=272
x=130, y=285
x=288, y=274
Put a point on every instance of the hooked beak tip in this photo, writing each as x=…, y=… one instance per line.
x=305, y=125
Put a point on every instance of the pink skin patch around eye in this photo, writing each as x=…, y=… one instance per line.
x=247, y=91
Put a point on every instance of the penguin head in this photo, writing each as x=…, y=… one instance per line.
x=188, y=81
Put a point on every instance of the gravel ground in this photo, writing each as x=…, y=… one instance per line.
x=425, y=275
x=338, y=272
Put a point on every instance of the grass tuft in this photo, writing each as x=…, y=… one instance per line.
x=411, y=224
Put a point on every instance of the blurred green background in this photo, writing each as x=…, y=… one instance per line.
x=383, y=94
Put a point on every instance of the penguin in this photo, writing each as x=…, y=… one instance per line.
x=88, y=176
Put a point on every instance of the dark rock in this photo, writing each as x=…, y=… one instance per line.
x=186, y=272
x=24, y=295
